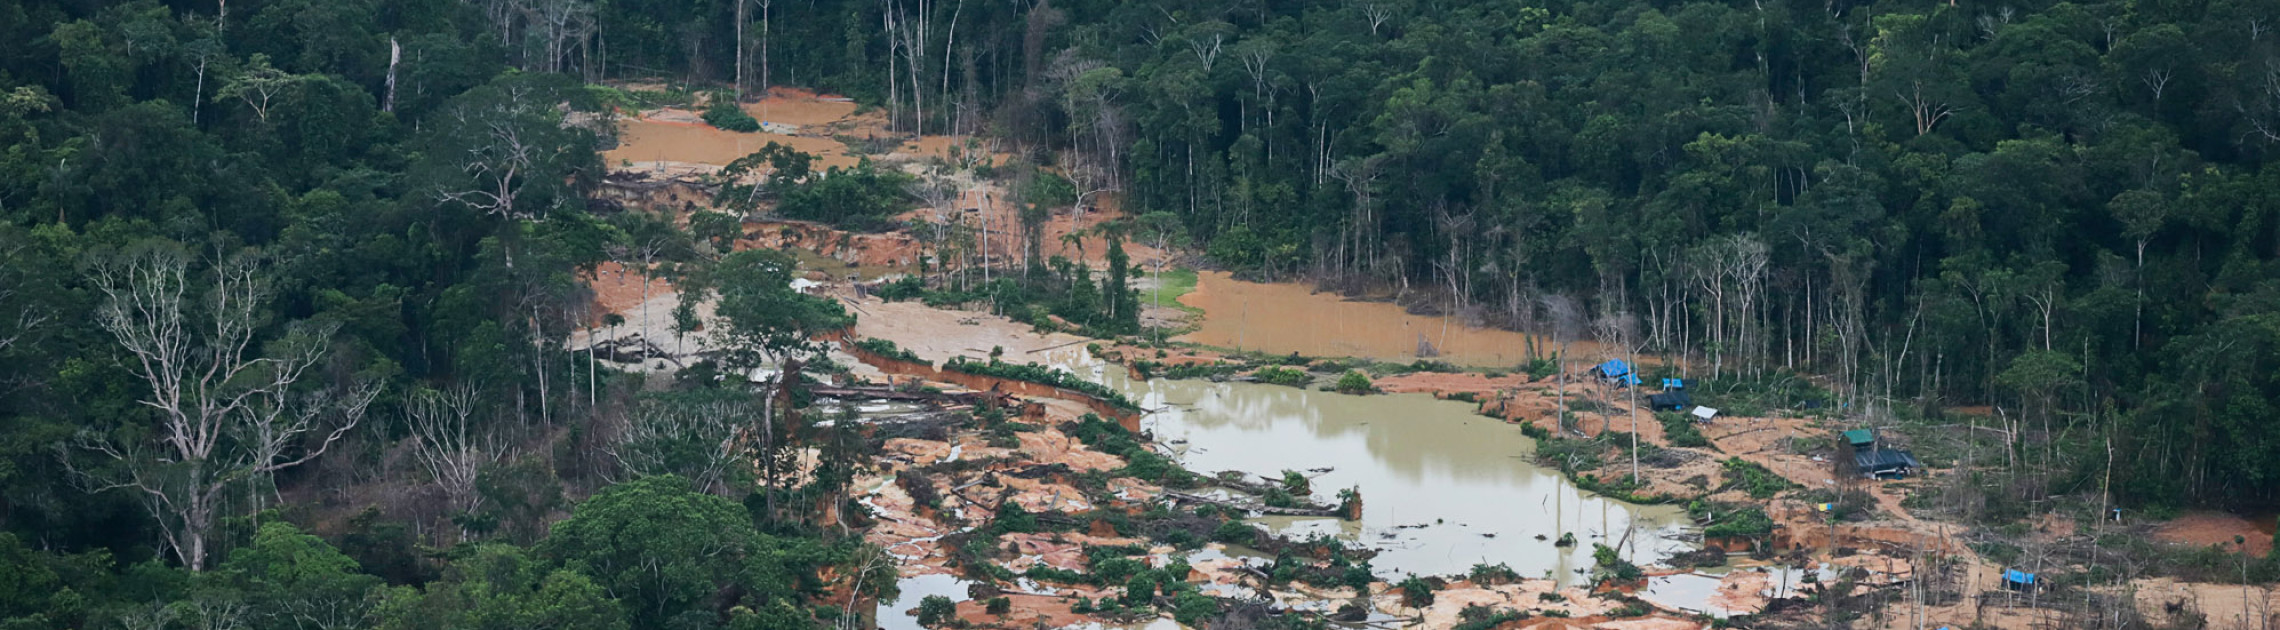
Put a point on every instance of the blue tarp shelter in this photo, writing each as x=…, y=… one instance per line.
x=2017, y=580
x=1674, y=383
x=1615, y=368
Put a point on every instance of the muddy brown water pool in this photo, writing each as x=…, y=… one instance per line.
x=1442, y=489
x=1282, y=318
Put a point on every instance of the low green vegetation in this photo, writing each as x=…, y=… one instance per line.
x=1041, y=374
x=723, y=113
x=1681, y=430
x=1170, y=285
x=1612, y=566
x=887, y=348
x=1754, y=480
x=1139, y=461
x=1282, y=376
x=1480, y=617
x=1731, y=519
x=1355, y=382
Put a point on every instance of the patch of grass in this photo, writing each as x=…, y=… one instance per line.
x=1281, y=376
x=1354, y=382
x=1478, y=617
x=723, y=113
x=887, y=348
x=1415, y=592
x=1542, y=368
x=1731, y=519
x=1612, y=565
x=1755, y=480
x=1041, y=374
x=1681, y=430
x=1499, y=573
x=1175, y=283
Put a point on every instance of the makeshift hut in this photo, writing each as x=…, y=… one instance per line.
x=2016, y=580
x=1885, y=463
x=1670, y=401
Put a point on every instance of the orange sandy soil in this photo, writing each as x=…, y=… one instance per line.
x=1125, y=354
x=896, y=250
x=1581, y=606
x=1028, y=611
x=988, y=206
x=618, y=289
x=1443, y=384
x=2203, y=529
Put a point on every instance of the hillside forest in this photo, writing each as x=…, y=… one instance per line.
x=286, y=286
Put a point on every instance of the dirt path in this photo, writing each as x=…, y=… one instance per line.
x=936, y=335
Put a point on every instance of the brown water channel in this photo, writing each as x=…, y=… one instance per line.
x=1281, y=318
x=1442, y=488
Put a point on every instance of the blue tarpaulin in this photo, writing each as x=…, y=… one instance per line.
x=2016, y=576
x=1614, y=368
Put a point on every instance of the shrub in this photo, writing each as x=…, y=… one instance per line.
x=1613, y=565
x=1357, y=577
x=1035, y=373
x=723, y=113
x=1012, y=519
x=1191, y=607
x=1235, y=532
x=910, y=287
x=1296, y=483
x=1488, y=574
x=1478, y=617
x=998, y=606
x=1728, y=520
x=887, y=348
x=1754, y=479
x=1141, y=589
x=1355, y=382
x=1416, y=593
x=1538, y=369
x=1281, y=376
x=936, y=610
x=1681, y=430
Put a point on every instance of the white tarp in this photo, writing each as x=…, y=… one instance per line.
x=1704, y=413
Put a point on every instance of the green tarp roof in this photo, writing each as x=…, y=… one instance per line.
x=1860, y=437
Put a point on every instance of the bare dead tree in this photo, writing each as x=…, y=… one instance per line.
x=500, y=163
x=1565, y=318
x=221, y=406
x=1618, y=337
x=280, y=426
x=562, y=24
x=1377, y=14
x=1360, y=177
x=449, y=444
x=657, y=432
x=874, y=568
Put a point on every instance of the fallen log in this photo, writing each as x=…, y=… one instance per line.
x=1251, y=507
x=889, y=393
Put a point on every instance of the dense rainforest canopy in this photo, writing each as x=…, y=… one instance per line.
x=259, y=257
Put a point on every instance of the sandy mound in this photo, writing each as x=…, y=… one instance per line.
x=2202, y=529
